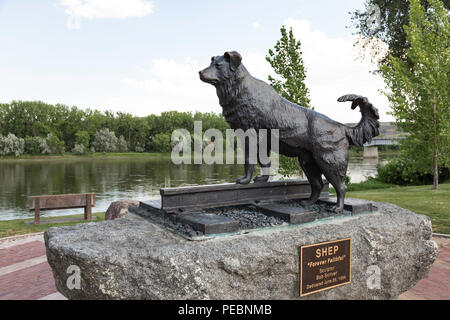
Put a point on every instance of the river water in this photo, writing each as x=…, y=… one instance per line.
x=115, y=179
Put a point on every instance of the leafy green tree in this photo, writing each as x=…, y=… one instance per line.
x=56, y=146
x=139, y=134
x=123, y=125
x=3, y=117
x=82, y=138
x=384, y=20
x=68, y=123
x=35, y=120
x=161, y=142
x=419, y=86
x=32, y=145
x=287, y=62
x=94, y=121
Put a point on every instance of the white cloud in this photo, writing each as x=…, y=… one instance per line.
x=170, y=85
x=256, y=25
x=100, y=9
x=332, y=71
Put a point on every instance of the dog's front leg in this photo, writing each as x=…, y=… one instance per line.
x=264, y=147
x=248, y=174
x=249, y=167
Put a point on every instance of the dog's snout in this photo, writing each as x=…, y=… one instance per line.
x=202, y=75
x=207, y=76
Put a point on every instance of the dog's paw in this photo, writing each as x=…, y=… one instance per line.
x=260, y=179
x=307, y=202
x=337, y=209
x=243, y=180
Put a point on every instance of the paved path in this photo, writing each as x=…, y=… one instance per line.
x=24, y=271
x=26, y=275
x=437, y=285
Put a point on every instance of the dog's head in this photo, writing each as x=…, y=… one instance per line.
x=222, y=69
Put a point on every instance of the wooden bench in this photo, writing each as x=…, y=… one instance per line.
x=63, y=201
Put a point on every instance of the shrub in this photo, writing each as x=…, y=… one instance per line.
x=122, y=144
x=289, y=166
x=139, y=148
x=79, y=149
x=50, y=144
x=11, y=145
x=43, y=146
x=106, y=141
x=402, y=171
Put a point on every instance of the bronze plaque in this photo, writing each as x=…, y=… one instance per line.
x=324, y=266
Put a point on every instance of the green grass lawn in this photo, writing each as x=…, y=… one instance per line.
x=418, y=199
x=15, y=227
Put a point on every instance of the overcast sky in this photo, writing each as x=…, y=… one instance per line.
x=143, y=57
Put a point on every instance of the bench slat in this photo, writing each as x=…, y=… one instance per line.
x=64, y=201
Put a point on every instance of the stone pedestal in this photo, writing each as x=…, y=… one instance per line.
x=131, y=258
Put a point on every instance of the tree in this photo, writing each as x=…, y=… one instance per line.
x=287, y=62
x=418, y=86
x=161, y=142
x=32, y=145
x=55, y=145
x=49, y=128
x=82, y=138
x=384, y=20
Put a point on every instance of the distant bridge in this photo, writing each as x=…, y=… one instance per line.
x=384, y=142
x=371, y=150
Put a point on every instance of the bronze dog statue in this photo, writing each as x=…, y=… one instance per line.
x=320, y=143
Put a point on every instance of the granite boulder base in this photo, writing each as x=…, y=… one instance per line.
x=131, y=258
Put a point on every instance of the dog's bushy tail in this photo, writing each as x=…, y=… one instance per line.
x=368, y=127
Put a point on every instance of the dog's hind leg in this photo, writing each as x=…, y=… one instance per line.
x=314, y=175
x=337, y=182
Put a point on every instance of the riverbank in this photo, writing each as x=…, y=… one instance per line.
x=93, y=155
x=121, y=155
x=20, y=226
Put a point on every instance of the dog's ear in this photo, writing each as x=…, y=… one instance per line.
x=234, y=58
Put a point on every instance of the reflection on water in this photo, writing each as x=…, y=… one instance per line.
x=114, y=179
